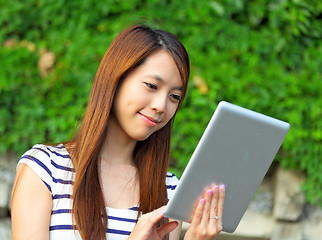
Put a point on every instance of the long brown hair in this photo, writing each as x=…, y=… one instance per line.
x=151, y=156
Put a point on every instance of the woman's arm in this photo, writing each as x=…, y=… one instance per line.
x=31, y=205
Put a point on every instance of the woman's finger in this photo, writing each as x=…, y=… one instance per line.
x=214, y=204
x=154, y=216
x=166, y=228
x=206, y=210
x=196, y=219
x=221, y=198
x=159, y=210
x=146, y=226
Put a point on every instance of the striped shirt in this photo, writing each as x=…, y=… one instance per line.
x=53, y=165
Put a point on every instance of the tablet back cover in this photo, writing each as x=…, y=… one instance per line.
x=236, y=149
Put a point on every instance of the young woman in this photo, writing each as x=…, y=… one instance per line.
x=111, y=180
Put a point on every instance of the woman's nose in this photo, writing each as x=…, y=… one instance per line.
x=159, y=104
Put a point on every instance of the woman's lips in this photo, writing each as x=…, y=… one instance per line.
x=149, y=120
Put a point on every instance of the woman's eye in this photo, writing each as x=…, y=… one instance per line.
x=152, y=86
x=176, y=97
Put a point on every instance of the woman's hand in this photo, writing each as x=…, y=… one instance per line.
x=146, y=229
x=206, y=222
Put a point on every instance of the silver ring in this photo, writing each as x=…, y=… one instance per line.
x=216, y=217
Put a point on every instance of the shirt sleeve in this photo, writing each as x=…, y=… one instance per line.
x=38, y=159
x=171, y=182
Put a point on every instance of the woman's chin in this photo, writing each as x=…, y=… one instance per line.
x=142, y=138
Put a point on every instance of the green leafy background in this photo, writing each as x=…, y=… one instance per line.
x=263, y=55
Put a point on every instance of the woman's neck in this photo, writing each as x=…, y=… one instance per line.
x=117, y=148
x=118, y=174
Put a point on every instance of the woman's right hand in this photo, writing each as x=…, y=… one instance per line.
x=146, y=229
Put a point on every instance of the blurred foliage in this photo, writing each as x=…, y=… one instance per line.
x=262, y=55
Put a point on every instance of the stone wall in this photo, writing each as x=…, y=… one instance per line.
x=7, y=174
x=277, y=212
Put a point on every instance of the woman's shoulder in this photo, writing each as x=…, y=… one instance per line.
x=48, y=162
x=48, y=156
x=171, y=183
x=171, y=177
x=58, y=150
x=44, y=152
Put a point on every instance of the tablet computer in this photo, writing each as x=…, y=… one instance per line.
x=236, y=149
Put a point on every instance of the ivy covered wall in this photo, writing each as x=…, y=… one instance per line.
x=263, y=55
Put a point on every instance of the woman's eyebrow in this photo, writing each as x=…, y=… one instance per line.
x=158, y=78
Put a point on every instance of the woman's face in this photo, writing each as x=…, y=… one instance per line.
x=147, y=98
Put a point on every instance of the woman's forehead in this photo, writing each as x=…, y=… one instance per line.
x=161, y=67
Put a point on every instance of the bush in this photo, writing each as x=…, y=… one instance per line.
x=262, y=55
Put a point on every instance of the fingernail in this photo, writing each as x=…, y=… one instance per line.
x=216, y=187
x=202, y=201
x=210, y=192
x=223, y=187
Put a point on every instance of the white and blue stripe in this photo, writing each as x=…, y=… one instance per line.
x=54, y=167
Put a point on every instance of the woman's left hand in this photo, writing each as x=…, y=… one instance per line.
x=206, y=222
